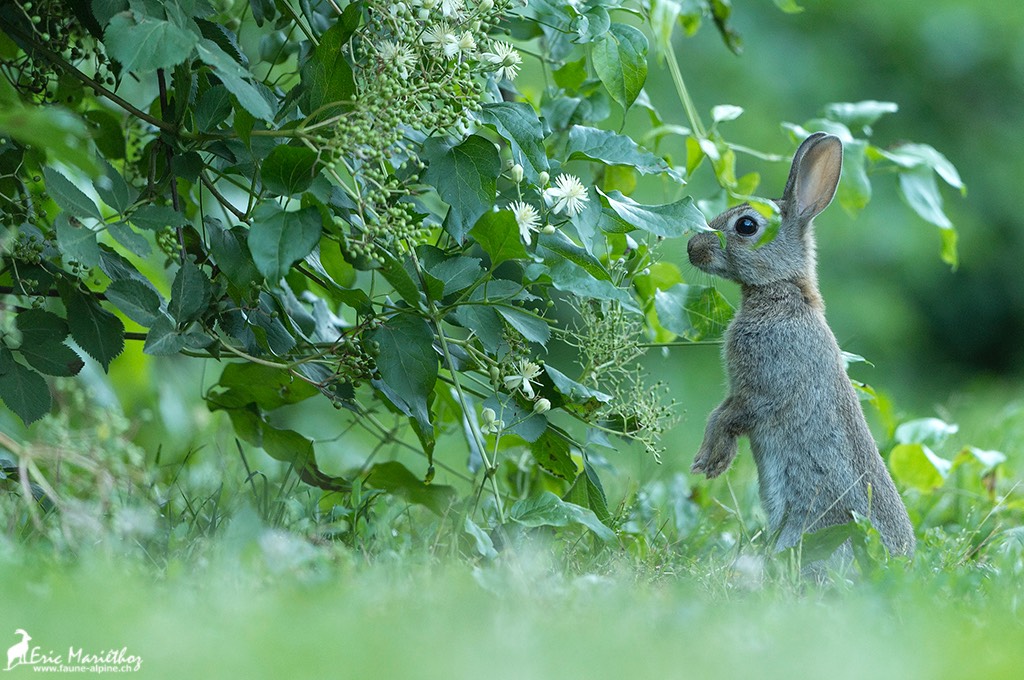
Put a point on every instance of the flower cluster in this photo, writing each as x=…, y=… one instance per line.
x=568, y=196
x=419, y=68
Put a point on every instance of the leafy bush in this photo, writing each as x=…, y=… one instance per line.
x=356, y=202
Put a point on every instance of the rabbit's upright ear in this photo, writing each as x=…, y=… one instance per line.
x=814, y=176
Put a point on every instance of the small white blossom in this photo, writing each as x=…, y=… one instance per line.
x=527, y=219
x=399, y=55
x=505, y=57
x=568, y=195
x=528, y=371
x=452, y=8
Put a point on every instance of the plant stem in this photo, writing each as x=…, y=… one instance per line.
x=684, y=94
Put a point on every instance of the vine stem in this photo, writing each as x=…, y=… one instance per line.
x=684, y=94
x=449, y=362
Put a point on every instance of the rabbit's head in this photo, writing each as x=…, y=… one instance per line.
x=751, y=255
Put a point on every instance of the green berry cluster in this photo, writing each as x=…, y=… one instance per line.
x=417, y=71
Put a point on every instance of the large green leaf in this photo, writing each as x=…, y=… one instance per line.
x=456, y=273
x=569, y=277
x=38, y=326
x=53, y=130
x=620, y=60
x=190, y=293
x=531, y=326
x=230, y=250
x=137, y=301
x=407, y=362
x=143, y=43
x=612, y=148
x=327, y=76
x=553, y=454
x=396, y=479
x=236, y=79
x=69, y=197
x=289, y=169
x=917, y=466
x=97, y=331
x=519, y=125
x=77, y=242
x=23, y=390
x=245, y=383
x=693, y=312
x=466, y=179
x=278, y=239
x=498, y=235
x=670, y=220
x=588, y=492
x=547, y=509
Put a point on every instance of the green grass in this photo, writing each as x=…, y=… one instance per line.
x=223, y=579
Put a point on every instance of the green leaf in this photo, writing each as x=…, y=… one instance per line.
x=519, y=420
x=915, y=155
x=396, y=479
x=163, y=338
x=498, y=234
x=693, y=312
x=519, y=125
x=611, y=148
x=288, y=169
x=113, y=189
x=925, y=431
x=457, y=273
x=552, y=453
x=919, y=189
x=230, y=250
x=949, y=247
x=213, y=108
x=591, y=26
x=725, y=112
x=236, y=79
x=561, y=245
x=23, y=390
x=547, y=509
x=484, y=544
x=327, y=76
x=190, y=293
x=142, y=43
x=53, y=130
x=620, y=60
x=399, y=278
x=532, y=327
x=291, y=447
x=97, y=331
x=69, y=197
x=279, y=239
x=77, y=242
x=156, y=217
x=670, y=220
x=860, y=114
x=107, y=132
x=569, y=277
x=465, y=177
x=38, y=326
x=855, y=188
x=916, y=466
x=52, y=357
x=789, y=7
x=407, y=362
x=132, y=242
x=137, y=301
x=269, y=388
x=574, y=391
x=588, y=492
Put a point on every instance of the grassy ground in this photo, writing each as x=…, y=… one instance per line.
x=227, y=582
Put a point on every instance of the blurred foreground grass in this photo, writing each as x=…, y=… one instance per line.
x=521, y=618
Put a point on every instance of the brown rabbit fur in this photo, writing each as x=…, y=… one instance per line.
x=788, y=388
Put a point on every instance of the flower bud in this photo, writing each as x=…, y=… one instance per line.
x=486, y=5
x=542, y=405
x=548, y=229
x=542, y=180
x=517, y=173
x=489, y=415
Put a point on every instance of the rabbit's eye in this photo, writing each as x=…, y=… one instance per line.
x=746, y=226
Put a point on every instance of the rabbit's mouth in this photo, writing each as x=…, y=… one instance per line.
x=704, y=251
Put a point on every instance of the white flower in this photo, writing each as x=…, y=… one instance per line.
x=521, y=381
x=399, y=55
x=527, y=219
x=505, y=57
x=452, y=8
x=568, y=195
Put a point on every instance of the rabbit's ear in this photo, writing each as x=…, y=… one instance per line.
x=814, y=176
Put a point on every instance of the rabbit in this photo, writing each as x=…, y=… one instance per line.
x=788, y=388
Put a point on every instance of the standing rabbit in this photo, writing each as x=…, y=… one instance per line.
x=788, y=388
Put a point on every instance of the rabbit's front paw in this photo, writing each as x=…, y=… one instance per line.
x=715, y=457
